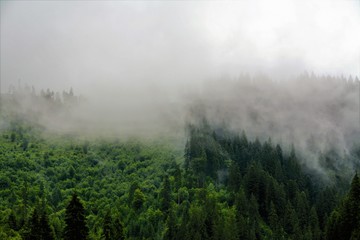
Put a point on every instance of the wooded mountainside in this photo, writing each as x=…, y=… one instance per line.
x=180, y=120
x=223, y=186
x=217, y=184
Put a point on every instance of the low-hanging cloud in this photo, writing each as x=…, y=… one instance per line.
x=91, y=45
x=142, y=65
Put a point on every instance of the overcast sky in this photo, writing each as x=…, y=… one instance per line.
x=108, y=45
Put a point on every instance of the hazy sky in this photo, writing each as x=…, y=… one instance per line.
x=130, y=45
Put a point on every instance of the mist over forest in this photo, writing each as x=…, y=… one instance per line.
x=180, y=120
x=141, y=66
x=318, y=114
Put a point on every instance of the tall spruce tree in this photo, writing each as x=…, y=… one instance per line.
x=107, y=226
x=344, y=222
x=165, y=195
x=75, y=220
x=351, y=209
x=118, y=229
x=112, y=228
x=12, y=222
x=45, y=230
x=34, y=226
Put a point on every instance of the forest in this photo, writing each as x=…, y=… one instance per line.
x=216, y=184
x=179, y=120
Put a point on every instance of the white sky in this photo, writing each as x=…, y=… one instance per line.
x=92, y=45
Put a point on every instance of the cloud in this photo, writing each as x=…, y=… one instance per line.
x=142, y=65
x=106, y=44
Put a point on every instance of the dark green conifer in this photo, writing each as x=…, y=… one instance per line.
x=139, y=199
x=118, y=229
x=34, y=226
x=12, y=221
x=75, y=220
x=45, y=230
x=165, y=195
x=171, y=226
x=107, y=226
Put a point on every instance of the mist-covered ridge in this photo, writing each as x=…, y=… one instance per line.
x=318, y=114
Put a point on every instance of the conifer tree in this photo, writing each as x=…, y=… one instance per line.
x=171, y=226
x=112, y=228
x=38, y=227
x=12, y=221
x=165, y=195
x=45, y=229
x=344, y=222
x=34, y=226
x=75, y=220
x=107, y=226
x=139, y=199
x=314, y=224
x=351, y=210
x=118, y=229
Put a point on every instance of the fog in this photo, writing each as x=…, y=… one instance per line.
x=145, y=68
x=97, y=46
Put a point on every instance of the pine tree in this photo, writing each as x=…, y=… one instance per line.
x=45, y=229
x=132, y=189
x=291, y=221
x=12, y=221
x=165, y=196
x=234, y=177
x=34, y=226
x=302, y=208
x=171, y=226
x=107, y=226
x=139, y=199
x=118, y=229
x=344, y=222
x=196, y=227
x=273, y=219
x=212, y=213
x=187, y=154
x=242, y=227
x=227, y=227
x=112, y=229
x=56, y=197
x=314, y=224
x=75, y=220
x=177, y=177
x=351, y=209
x=332, y=226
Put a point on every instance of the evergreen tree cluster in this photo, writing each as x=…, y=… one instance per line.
x=273, y=194
x=22, y=93
x=223, y=186
x=344, y=222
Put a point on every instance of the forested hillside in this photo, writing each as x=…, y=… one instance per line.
x=220, y=185
x=181, y=120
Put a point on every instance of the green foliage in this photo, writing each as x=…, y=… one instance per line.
x=38, y=227
x=139, y=199
x=165, y=196
x=344, y=222
x=112, y=228
x=75, y=220
x=225, y=186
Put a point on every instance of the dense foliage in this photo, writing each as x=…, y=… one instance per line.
x=344, y=222
x=223, y=187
